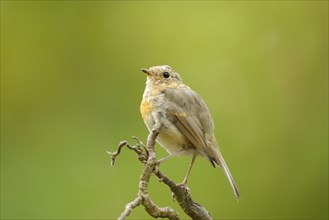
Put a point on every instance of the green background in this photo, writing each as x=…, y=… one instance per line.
x=71, y=87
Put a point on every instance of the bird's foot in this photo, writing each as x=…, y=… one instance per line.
x=184, y=186
x=173, y=196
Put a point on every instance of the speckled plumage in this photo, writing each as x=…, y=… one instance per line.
x=186, y=119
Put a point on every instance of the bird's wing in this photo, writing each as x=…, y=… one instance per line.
x=190, y=114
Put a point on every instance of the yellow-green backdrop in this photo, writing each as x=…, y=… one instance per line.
x=71, y=87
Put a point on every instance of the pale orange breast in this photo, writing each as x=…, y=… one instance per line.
x=145, y=109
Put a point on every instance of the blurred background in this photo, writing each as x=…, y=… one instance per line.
x=71, y=87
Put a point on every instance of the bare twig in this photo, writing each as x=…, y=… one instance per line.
x=139, y=149
x=182, y=194
x=183, y=197
x=130, y=206
x=149, y=205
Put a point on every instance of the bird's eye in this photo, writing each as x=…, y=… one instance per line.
x=166, y=75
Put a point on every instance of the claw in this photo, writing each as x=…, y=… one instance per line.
x=173, y=196
x=184, y=186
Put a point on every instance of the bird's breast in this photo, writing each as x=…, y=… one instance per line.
x=146, y=110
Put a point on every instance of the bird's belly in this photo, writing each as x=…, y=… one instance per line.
x=173, y=141
x=170, y=138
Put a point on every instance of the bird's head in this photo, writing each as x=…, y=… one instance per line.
x=163, y=76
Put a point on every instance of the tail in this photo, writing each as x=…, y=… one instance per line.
x=221, y=162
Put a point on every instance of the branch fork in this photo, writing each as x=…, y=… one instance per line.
x=182, y=194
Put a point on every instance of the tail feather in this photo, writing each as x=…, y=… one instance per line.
x=221, y=162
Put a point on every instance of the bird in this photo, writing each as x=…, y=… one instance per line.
x=187, y=127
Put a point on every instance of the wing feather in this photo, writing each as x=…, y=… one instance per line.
x=190, y=115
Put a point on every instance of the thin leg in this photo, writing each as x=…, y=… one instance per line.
x=170, y=156
x=188, y=171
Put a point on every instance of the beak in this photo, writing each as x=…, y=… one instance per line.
x=146, y=71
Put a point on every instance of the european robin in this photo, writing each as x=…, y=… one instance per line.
x=187, y=125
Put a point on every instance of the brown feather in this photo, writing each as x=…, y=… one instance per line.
x=192, y=118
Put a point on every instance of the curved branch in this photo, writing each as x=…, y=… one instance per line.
x=183, y=197
x=149, y=167
x=129, y=207
x=182, y=194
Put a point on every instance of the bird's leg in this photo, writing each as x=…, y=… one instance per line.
x=158, y=162
x=170, y=156
x=183, y=184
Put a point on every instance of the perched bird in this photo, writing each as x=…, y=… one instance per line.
x=187, y=126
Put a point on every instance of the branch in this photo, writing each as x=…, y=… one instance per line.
x=183, y=197
x=182, y=194
x=129, y=207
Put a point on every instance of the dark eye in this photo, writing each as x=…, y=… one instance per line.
x=166, y=75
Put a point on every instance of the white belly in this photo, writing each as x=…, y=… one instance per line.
x=171, y=139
